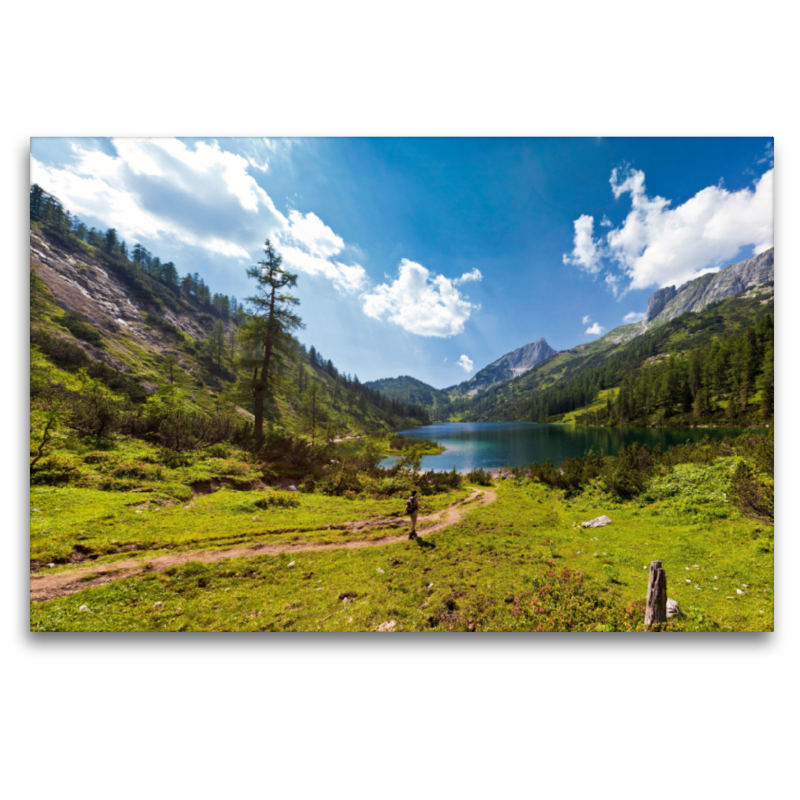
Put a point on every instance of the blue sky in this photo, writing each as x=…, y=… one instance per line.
x=432, y=257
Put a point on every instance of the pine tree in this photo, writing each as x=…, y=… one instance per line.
x=268, y=330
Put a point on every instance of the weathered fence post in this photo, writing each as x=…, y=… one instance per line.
x=656, y=610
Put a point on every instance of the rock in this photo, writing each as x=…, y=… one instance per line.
x=138, y=510
x=379, y=570
x=83, y=608
x=597, y=522
x=658, y=300
x=673, y=610
x=386, y=627
x=291, y=564
x=35, y=511
x=292, y=488
x=51, y=565
x=739, y=591
x=157, y=604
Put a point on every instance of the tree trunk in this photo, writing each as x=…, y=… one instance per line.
x=656, y=609
x=258, y=411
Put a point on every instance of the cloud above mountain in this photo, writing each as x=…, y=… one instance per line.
x=466, y=363
x=421, y=302
x=660, y=245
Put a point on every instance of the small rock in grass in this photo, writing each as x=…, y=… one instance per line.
x=715, y=577
x=51, y=565
x=35, y=511
x=716, y=588
x=687, y=569
x=673, y=610
x=157, y=604
x=290, y=564
x=292, y=488
x=379, y=570
x=697, y=566
x=430, y=586
x=138, y=510
x=83, y=608
x=744, y=585
x=739, y=591
x=386, y=627
x=688, y=581
x=597, y=522
x=760, y=612
x=730, y=598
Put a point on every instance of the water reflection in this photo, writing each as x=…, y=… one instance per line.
x=495, y=444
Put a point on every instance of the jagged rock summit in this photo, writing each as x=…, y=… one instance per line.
x=511, y=365
x=670, y=302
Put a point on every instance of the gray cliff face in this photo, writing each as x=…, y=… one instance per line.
x=511, y=365
x=658, y=300
x=729, y=282
x=668, y=303
x=525, y=358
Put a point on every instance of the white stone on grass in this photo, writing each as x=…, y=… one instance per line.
x=597, y=522
x=83, y=608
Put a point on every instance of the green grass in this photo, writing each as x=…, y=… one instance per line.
x=602, y=399
x=471, y=576
x=114, y=525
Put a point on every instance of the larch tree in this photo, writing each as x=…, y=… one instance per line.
x=267, y=334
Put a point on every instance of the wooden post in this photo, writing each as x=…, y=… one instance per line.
x=656, y=610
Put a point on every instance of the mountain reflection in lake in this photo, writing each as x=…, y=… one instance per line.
x=494, y=444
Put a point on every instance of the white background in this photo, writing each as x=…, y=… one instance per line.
x=396, y=716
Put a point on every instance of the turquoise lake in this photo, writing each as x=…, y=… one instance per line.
x=494, y=444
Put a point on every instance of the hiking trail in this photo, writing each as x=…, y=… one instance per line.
x=61, y=584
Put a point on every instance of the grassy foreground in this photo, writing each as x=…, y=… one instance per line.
x=521, y=563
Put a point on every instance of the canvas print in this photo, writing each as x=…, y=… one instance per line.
x=402, y=384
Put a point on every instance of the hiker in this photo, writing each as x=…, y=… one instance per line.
x=412, y=508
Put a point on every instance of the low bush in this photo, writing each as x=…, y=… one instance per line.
x=561, y=601
x=479, y=476
x=277, y=500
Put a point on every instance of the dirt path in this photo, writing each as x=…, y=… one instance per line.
x=47, y=587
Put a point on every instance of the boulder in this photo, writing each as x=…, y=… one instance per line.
x=597, y=522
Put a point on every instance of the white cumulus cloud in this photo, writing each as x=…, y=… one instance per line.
x=308, y=245
x=661, y=245
x=585, y=253
x=466, y=362
x=587, y=319
x=472, y=275
x=595, y=330
x=164, y=189
x=634, y=316
x=196, y=194
x=420, y=302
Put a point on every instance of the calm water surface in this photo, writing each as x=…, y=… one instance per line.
x=495, y=444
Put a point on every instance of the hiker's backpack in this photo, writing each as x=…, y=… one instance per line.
x=411, y=505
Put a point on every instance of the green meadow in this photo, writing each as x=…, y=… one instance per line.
x=521, y=563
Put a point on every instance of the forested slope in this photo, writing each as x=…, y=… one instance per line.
x=120, y=344
x=712, y=367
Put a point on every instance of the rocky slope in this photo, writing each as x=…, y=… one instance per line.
x=670, y=302
x=511, y=365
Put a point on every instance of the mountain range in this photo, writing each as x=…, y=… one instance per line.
x=753, y=277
